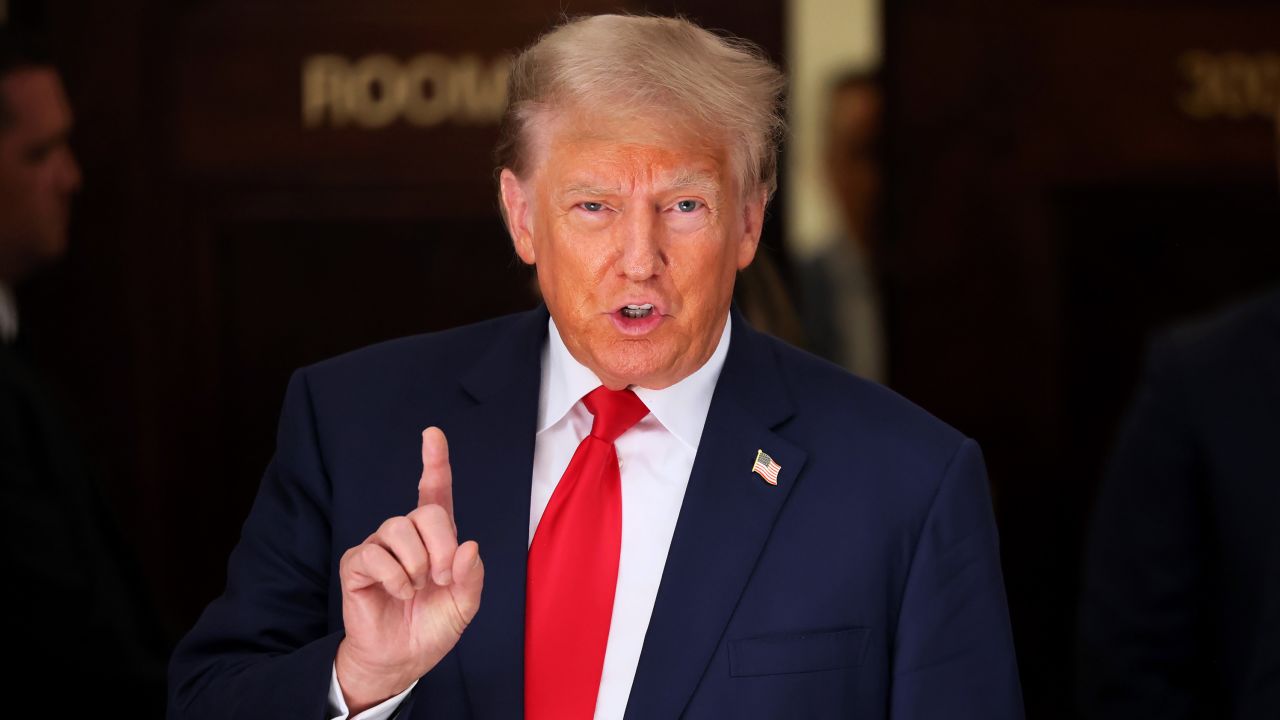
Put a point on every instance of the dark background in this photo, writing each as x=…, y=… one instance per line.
x=1050, y=202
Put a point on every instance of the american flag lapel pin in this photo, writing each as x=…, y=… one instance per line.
x=766, y=468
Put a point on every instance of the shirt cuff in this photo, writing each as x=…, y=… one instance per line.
x=338, y=709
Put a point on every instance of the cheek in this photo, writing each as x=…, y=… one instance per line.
x=19, y=184
x=571, y=267
x=705, y=271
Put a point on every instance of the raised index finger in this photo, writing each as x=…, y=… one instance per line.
x=436, y=485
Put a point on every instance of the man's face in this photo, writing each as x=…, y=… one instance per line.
x=637, y=229
x=38, y=173
x=852, y=133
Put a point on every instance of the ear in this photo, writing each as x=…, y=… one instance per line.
x=516, y=201
x=752, y=224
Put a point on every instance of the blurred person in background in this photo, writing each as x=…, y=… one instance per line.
x=80, y=636
x=1180, y=609
x=842, y=301
x=763, y=298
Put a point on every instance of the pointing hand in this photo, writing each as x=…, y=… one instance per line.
x=408, y=591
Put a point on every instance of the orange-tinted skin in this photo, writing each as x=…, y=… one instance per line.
x=633, y=211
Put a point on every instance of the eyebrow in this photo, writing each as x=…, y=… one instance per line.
x=699, y=180
x=587, y=189
x=684, y=179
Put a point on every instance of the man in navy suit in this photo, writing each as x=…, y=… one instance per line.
x=1180, y=609
x=678, y=516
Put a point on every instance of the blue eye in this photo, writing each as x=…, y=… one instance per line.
x=688, y=206
x=592, y=207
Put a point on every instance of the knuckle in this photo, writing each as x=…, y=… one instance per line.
x=430, y=515
x=437, y=513
x=415, y=567
x=371, y=555
x=391, y=526
x=355, y=554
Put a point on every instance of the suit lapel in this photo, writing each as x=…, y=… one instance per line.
x=491, y=450
x=724, y=522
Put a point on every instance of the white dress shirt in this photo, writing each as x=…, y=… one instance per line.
x=656, y=456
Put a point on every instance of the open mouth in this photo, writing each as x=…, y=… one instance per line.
x=637, y=312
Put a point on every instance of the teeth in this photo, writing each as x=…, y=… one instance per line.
x=636, y=312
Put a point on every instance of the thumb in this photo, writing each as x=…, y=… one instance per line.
x=468, y=579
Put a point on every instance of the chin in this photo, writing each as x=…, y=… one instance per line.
x=635, y=362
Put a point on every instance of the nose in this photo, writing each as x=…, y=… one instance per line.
x=69, y=177
x=642, y=255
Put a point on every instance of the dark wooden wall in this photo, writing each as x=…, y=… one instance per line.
x=1065, y=177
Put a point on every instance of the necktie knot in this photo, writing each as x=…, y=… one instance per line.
x=615, y=412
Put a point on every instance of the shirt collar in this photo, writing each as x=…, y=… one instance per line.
x=681, y=408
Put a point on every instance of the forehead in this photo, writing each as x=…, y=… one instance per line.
x=581, y=147
x=34, y=100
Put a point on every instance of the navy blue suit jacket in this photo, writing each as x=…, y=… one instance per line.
x=866, y=584
x=1180, y=608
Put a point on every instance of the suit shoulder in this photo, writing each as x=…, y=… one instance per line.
x=864, y=440
x=435, y=355
x=837, y=405
x=1220, y=345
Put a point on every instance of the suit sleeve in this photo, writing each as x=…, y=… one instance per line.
x=953, y=649
x=263, y=649
x=1141, y=599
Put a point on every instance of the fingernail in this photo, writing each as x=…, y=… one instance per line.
x=444, y=578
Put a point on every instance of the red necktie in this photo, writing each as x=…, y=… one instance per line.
x=573, y=569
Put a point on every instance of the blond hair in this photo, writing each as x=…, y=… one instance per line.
x=630, y=64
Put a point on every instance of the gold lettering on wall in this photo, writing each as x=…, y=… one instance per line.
x=426, y=90
x=1231, y=85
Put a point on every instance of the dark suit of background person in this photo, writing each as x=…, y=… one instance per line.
x=78, y=632
x=842, y=286
x=1180, y=616
x=77, y=624
x=869, y=575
